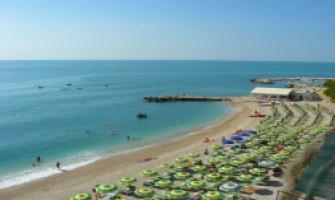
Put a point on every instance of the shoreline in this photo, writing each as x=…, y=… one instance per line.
x=68, y=164
x=107, y=170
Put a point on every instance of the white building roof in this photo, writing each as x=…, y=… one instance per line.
x=272, y=91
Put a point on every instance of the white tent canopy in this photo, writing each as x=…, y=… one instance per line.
x=272, y=91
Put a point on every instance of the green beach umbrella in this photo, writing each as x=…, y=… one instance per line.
x=268, y=164
x=195, y=185
x=213, y=177
x=213, y=161
x=82, y=196
x=216, y=147
x=237, y=162
x=280, y=158
x=106, y=188
x=199, y=168
x=149, y=173
x=212, y=195
x=260, y=181
x=193, y=155
x=226, y=170
x=178, y=195
x=163, y=183
x=128, y=180
x=144, y=192
x=213, y=186
x=166, y=166
x=181, y=160
x=182, y=175
x=258, y=171
x=244, y=177
x=186, y=164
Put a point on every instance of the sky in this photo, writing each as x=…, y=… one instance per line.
x=280, y=30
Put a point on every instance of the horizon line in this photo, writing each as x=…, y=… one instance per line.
x=214, y=60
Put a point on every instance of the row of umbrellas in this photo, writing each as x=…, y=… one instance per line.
x=227, y=179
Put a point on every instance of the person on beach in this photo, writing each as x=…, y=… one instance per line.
x=58, y=165
x=38, y=159
x=206, y=152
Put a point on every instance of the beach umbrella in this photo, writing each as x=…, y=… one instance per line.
x=178, y=194
x=106, y=188
x=251, y=132
x=226, y=170
x=199, y=168
x=244, y=177
x=228, y=142
x=181, y=160
x=213, y=186
x=216, y=147
x=237, y=163
x=182, y=175
x=212, y=195
x=260, y=181
x=213, y=161
x=163, y=183
x=230, y=186
x=258, y=171
x=213, y=177
x=193, y=155
x=237, y=138
x=128, y=180
x=149, y=173
x=195, y=185
x=82, y=196
x=166, y=166
x=144, y=192
x=268, y=164
x=279, y=158
x=186, y=164
x=243, y=134
x=198, y=176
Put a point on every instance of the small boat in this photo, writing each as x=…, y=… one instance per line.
x=69, y=84
x=40, y=87
x=142, y=115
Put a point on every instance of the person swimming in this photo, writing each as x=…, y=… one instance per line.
x=38, y=159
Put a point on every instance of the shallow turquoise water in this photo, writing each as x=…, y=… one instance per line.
x=71, y=125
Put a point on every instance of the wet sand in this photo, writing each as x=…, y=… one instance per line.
x=63, y=185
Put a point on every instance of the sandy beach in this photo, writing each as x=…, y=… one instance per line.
x=62, y=186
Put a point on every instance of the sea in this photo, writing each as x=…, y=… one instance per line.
x=79, y=111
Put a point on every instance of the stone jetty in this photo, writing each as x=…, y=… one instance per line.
x=184, y=98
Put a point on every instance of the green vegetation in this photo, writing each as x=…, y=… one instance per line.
x=330, y=91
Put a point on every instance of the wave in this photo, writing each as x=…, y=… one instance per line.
x=45, y=169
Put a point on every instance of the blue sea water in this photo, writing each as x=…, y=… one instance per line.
x=71, y=124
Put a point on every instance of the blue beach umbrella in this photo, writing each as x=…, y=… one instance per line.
x=230, y=186
x=236, y=138
x=228, y=142
x=251, y=132
x=244, y=134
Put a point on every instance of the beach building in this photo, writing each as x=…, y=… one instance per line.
x=305, y=95
x=279, y=94
x=284, y=94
